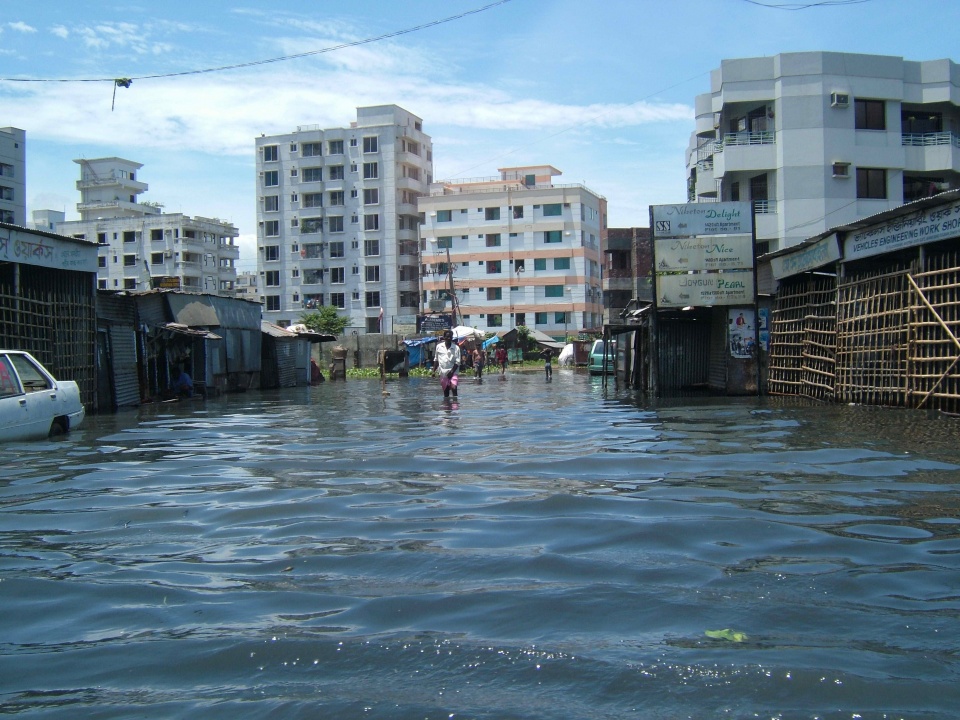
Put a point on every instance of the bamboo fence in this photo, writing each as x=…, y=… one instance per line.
x=889, y=337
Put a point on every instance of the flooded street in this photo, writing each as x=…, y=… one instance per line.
x=533, y=550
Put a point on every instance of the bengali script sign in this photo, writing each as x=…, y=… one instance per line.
x=915, y=229
x=697, y=290
x=723, y=218
x=31, y=249
x=731, y=252
x=806, y=257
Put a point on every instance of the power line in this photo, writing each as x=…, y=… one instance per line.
x=126, y=81
x=806, y=5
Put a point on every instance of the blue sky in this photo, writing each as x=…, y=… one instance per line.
x=601, y=89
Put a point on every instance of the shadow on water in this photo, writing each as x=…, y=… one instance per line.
x=533, y=549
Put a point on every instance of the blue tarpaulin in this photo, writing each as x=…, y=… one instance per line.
x=418, y=350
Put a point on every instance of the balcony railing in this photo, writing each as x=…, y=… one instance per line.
x=766, y=137
x=765, y=207
x=928, y=139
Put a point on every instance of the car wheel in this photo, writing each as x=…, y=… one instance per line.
x=58, y=427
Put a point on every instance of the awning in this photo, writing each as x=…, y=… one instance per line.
x=182, y=329
x=417, y=342
x=295, y=331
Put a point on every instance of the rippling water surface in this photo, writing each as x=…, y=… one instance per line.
x=536, y=550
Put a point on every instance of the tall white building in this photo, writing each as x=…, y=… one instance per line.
x=818, y=139
x=13, y=174
x=337, y=219
x=141, y=247
x=247, y=287
x=46, y=220
x=522, y=250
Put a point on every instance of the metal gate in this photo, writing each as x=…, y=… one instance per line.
x=684, y=355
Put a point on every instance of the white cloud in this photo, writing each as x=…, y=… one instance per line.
x=21, y=27
x=222, y=112
x=129, y=37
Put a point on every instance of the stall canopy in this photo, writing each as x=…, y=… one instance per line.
x=462, y=332
x=418, y=349
x=507, y=337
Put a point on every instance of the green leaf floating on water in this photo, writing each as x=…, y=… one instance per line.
x=726, y=634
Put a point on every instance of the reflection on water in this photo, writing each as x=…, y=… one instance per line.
x=534, y=550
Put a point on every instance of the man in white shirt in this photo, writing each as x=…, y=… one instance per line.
x=446, y=360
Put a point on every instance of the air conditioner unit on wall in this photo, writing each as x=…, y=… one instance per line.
x=841, y=169
x=840, y=100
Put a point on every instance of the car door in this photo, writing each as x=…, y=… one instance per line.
x=28, y=399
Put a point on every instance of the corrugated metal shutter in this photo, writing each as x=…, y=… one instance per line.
x=287, y=364
x=684, y=355
x=123, y=351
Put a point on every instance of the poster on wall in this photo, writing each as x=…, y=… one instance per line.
x=765, y=329
x=741, y=327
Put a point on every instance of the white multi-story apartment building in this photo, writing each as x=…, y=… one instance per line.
x=141, y=247
x=247, y=287
x=46, y=220
x=521, y=249
x=819, y=139
x=337, y=219
x=13, y=173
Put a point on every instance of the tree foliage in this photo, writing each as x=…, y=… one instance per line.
x=523, y=338
x=325, y=320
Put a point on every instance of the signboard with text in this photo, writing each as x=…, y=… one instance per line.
x=701, y=289
x=915, y=229
x=434, y=323
x=722, y=218
x=730, y=252
x=48, y=252
x=806, y=257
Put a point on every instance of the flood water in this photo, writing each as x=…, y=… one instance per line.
x=535, y=550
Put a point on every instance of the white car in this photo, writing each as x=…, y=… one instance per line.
x=33, y=404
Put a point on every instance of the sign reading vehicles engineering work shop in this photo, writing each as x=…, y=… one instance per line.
x=923, y=227
x=703, y=254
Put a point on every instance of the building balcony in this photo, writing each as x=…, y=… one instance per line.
x=409, y=158
x=745, y=151
x=627, y=282
x=187, y=244
x=706, y=182
x=931, y=151
x=409, y=183
x=767, y=222
x=123, y=207
x=228, y=252
x=111, y=179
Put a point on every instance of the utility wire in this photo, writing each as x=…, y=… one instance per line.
x=126, y=81
x=806, y=5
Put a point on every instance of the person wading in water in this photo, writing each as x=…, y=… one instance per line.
x=446, y=361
